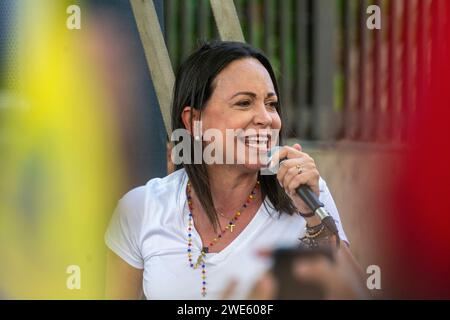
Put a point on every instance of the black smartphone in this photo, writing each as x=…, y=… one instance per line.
x=289, y=287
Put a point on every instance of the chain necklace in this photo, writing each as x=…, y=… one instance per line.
x=231, y=224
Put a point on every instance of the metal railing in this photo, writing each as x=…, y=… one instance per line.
x=338, y=79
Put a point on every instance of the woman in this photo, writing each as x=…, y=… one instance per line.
x=190, y=234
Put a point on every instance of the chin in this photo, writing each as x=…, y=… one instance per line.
x=252, y=167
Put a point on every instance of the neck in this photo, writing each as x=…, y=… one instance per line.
x=230, y=186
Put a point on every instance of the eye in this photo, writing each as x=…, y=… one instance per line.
x=273, y=104
x=244, y=103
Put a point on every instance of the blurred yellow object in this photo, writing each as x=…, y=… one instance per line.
x=59, y=167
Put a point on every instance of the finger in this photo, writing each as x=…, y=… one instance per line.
x=285, y=152
x=309, y=178
x=294, y=171
x=297, y=147
x=287, y=164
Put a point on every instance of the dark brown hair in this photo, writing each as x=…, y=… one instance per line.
x=193, y=87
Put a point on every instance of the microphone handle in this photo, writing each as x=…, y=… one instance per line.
x=313, y=202
x=310, y=198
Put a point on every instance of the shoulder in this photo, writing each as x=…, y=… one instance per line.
x=157, y=196
x=170, y=184
x=132, y=221
x=136, y=201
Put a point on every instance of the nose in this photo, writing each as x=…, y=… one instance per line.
x=262, y=117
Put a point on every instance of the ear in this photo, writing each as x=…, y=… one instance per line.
x=186, y=115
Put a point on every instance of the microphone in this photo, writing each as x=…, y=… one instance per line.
x=308, y=196
x=312, y=201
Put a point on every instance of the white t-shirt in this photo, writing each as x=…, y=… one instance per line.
x=149, y=231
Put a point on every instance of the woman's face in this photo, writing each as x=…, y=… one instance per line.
x=243, y=98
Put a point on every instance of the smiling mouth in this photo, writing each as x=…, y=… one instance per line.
x=259, y=141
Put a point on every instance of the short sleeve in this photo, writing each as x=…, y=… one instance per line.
x=123, y=233
x=327, y=199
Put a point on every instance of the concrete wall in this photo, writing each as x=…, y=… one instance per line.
x=356, y=177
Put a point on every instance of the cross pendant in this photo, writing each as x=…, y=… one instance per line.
x=199, y=261
x=231, y=227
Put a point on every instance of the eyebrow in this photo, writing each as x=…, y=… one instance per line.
x=252, y=94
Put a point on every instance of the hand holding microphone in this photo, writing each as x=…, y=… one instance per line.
x=295, y=169
x=298, y=176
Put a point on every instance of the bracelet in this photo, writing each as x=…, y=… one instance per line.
x=316, y=234
x=313, y=229
x=307, y=215
x=314, y=242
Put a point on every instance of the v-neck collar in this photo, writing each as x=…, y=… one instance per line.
x=217, y=257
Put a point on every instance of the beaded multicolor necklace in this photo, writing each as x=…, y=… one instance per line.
x=201, y=258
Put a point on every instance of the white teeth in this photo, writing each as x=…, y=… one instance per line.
x=260, y=141
x=254, y=142
x=257, y=139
